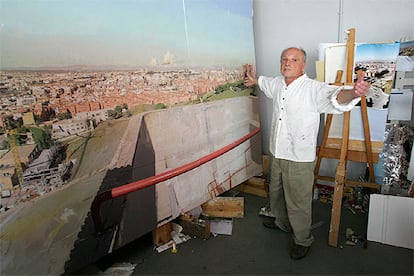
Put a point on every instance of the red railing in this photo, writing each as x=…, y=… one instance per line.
x=153, y=180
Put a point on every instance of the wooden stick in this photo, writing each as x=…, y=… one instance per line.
x=350, y=52
x=367, y=134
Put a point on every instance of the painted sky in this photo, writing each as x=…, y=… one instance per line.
x=377, y=52
x=42, y=33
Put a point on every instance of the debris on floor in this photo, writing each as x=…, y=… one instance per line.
x=325, y=194
x=213, y=217
x=120, y=269
x=177, y=237
x=219, y=212
x=174, y=248
x=356, y=199
x=162, y=234
x=352, y=238
x=194, y=226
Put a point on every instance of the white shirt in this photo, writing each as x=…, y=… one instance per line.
x=296, y=114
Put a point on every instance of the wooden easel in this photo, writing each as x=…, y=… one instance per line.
x=345, y=152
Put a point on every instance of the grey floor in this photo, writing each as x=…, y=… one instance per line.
x=255, y=250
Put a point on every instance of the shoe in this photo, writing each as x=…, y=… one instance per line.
x=271, y=223
x=298, y=251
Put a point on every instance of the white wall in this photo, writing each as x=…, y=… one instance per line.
x=306, y=23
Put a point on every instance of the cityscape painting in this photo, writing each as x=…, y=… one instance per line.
x=89, y=55
x=97, y=99
x=379, y=61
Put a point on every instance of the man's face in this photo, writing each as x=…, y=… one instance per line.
x=292, y=64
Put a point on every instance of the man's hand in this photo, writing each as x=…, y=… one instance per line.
x=361, y=86
x=249, y=75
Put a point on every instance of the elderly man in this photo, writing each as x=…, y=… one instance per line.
x=298, y=102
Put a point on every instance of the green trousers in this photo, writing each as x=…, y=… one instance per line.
x=290, y=194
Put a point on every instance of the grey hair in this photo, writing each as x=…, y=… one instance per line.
x=298, y=48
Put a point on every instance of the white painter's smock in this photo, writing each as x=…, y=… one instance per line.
x=296, y=114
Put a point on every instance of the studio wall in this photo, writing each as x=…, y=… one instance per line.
x=278, y=24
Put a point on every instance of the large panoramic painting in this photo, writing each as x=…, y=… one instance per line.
x=117, y=117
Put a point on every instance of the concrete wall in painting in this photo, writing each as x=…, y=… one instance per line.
x=196, y=131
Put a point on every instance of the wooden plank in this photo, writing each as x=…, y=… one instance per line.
x=357, y=156
x=352, y=183
x=255, y=186
x=224, y=207
x=355, y=145
x=252, y=190
x=162, y=234
x=256, y=182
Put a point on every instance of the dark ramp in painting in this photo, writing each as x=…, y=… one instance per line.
x=127, y=217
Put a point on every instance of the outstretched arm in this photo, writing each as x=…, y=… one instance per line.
x=361, y=88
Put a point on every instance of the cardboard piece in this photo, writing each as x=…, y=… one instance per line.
x=400, y=105
x=221, y=226
x=377, y=119
x=405, y=63
x=335, y=59
x=320, y=70
x=391, y=220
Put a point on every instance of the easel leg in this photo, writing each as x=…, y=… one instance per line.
x=340, y=175
x=322, y=149
x=337, y=204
